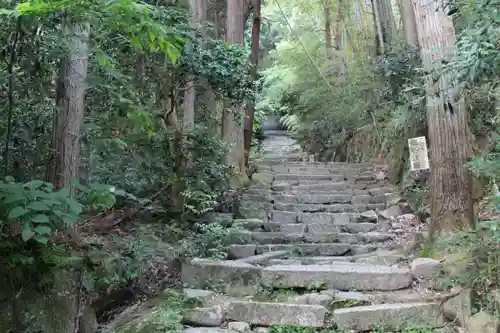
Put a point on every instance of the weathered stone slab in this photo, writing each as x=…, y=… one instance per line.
x=332, y=218
x=355, y=228
x=210, y=316
x=285, y=217
x=323, y=227
x=345, y=208
x=267, y=314
x=264, y=258
x=342, y=276
x=330, y=237
x=277, y=237
x=241, y=251
x=391, y=316
x=325, y=186
x=303, y=197
x=293, y=228
x=309, y=171
x=282, y=186
x=374, y=237
x=284, y=198
x=319, y=249
x=300, y=177
x=239, y=278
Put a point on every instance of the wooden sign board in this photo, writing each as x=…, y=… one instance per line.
x=419, y=160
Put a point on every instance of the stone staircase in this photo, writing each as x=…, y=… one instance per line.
x=315, y=251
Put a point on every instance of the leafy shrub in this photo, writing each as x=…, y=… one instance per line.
x=210, y=240
x=39, y=209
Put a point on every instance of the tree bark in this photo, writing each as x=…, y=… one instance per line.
x=328, y=28
x=232, y=126
x=253, y=71
x=189, y=102
x=70, y=103
x=338, y=33
x=380, y=42
x=451, y=183
x=409, y=24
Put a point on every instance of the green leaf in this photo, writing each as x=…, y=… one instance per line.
x=41, y=239
x=38, y=206
x=16, y=212
x=34, y=183
x=69, y=219
x=28, y=232
x=40, y=218
x=75, y=206
x=14, y=198
x=43, y=229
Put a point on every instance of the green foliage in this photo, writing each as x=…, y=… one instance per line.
x=209, y=240
x=472, y=261
x=38, y=208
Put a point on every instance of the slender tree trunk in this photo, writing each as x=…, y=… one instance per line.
x=70, y=102
x=254, y=63
x=189, y=103
x=380, y=42
x=338, y=33
x=361, y=22
x=233, y=118
x=409, y=24
x=451, y=183
x=388, y=22
x=328, y=29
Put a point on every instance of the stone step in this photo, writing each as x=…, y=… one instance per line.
x=267, y=313
x=239, y=251
x=292, y=228
x=341, y=276
x=388, y=258
x=315, y=249
x=287, y=217
x=288, y=191
x=333, y=208
x=331, y=186
x=333, y=165
x=391, y=316
x=311, y=177
x=280, y=237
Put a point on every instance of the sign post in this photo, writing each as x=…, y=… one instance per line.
x=419, y=159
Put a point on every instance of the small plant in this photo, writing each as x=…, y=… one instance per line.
x=38, y=209
x=291, y=329
x=209, y=241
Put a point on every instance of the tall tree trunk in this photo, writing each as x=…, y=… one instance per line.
x=451, y=183
x=409, y=24
x=379, y=40
x=70, y=102
x=388, y=22
x=253, y=71
x=233, y=118
x=338, y=33
x=360, y=20
x=328, y=29
x=189, y=103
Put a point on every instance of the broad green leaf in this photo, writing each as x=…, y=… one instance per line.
x=34, y=183
x=16, y=212
x=69, y=219
x=38, y=206
x=27, y=232
x=40, y=218
x=41, y=239
x=75, y=206
x=43, y=229
x=14, y=198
